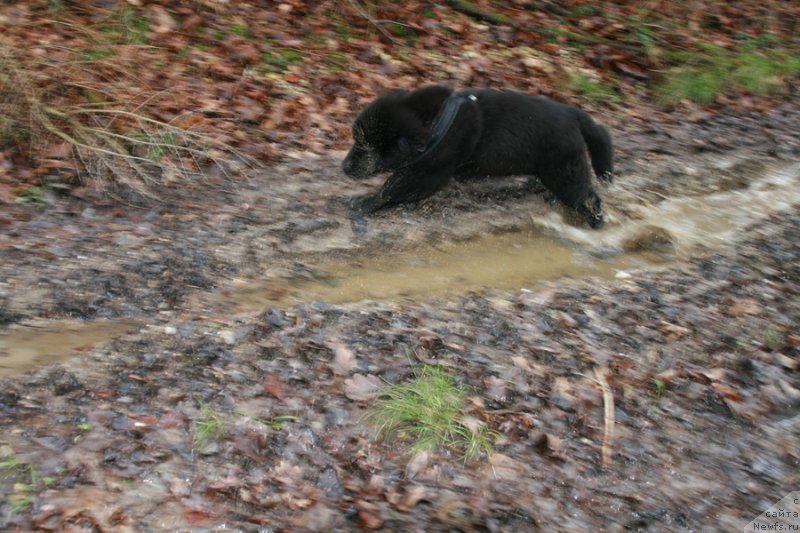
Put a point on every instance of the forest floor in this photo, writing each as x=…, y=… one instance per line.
x=204, y=363
x=703, y=351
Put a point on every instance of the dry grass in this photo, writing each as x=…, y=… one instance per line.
x=116, y=145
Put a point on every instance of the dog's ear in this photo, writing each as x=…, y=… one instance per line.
x=427, y=101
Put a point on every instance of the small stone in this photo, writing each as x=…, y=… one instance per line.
x=651, y=239
x=227, y=336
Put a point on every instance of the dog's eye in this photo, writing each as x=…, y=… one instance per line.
x=403, y=144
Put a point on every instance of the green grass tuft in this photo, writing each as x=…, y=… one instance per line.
x=702, y=78
x=25, y=488
x=241, y=30
x=209, y=427
x=32, y=195
x=126, y=26
x=278, y=60
x=429, y=411
x=774, y=338
x=691, y=83
x=595, y=91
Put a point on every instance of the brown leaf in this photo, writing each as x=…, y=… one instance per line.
x=369, y=514
x=744, y=306
x=673, y=331
x=320, y=517
x=496, y=388
x=414, y=494
x=504, y=467
x=248, y=109
x=273, y=386
x=561, y=394
x=343, y=359
x=223, y=484
x=727, y=392
x=418, y=463
x=160, y=20
x=361, y=387
x=631, y=70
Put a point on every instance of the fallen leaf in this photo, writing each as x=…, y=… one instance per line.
x=369, y=514
x=343, y=360
x=417, y=464
x=361, y=387
x=414, y=494
x=504, y=467
x=727, y=392
x=273, y=386
x=744, y=306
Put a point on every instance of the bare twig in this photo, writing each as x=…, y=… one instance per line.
x=608, y=408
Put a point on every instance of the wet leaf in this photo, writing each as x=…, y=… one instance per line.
x=504, y=467
x=343, y=359
x=369, y=515
x=362, y=387
x=273, y=386
x=727, y=392
x=744, y=306
x=413, y=495
x=417, y=465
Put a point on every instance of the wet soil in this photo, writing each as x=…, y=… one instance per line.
x=700, y=334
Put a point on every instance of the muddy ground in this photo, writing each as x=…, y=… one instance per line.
x=702, y=344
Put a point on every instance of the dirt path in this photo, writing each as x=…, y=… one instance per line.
x=703, y=352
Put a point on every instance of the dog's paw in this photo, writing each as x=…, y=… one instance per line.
x=364, y=205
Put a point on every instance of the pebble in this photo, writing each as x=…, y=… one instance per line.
x=228, y=336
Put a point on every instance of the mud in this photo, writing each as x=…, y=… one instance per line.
x=25, y=347
x=528, y=242
x=689, y=298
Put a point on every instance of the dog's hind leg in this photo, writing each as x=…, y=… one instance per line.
x=598, y=141
x=571, y=182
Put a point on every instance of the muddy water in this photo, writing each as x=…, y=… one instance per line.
x=503, y=261
x=549, y=249
x=26, y=347
x=711, y=220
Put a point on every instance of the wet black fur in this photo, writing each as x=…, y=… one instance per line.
x=431, y=135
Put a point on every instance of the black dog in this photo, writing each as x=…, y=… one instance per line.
x=428, y=136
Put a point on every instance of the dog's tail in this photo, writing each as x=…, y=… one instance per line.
x=598, y=141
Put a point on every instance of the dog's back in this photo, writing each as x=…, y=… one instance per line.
x=521, y=133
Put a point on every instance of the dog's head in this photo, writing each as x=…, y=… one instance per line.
x=391, y=130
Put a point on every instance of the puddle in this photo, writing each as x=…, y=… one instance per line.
x=712, y=220
x=549, y=249
x=23, y=347
x=669, y=230
x=503, y=261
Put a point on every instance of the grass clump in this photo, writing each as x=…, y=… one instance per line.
x=26, y=481
x=429, y=411
x=112, y=144
x=241, y=30
x=32, y=195
x=703, y=77
x=278, y=60
x=593, y=90
x=276, y=422
x=209, y=427
x=773, y=338
x=126, y=26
